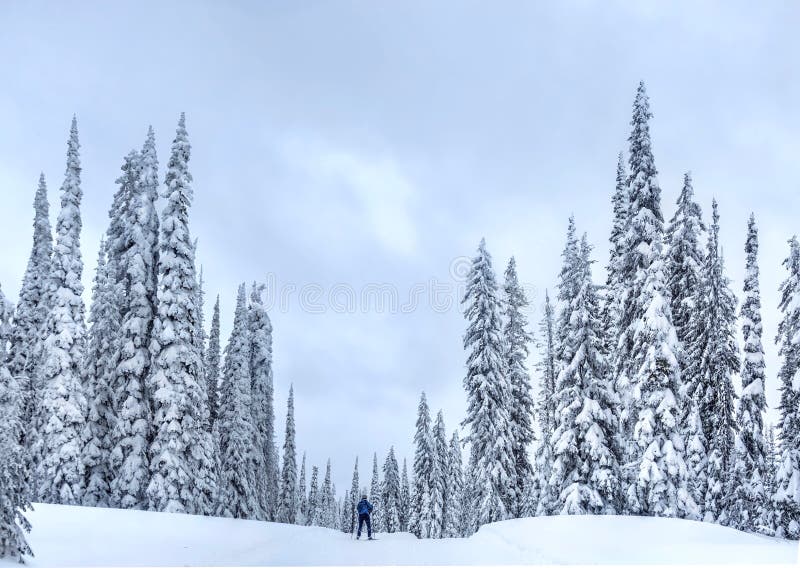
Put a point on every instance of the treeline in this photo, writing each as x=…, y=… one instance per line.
x=139, y=409
x=637, y=412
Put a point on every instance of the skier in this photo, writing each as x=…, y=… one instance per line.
x=364, y=509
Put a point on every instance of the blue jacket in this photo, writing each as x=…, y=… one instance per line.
x=364, y=507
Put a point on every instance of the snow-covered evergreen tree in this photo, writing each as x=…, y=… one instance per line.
x=60, y=470
x=313, y=512
x=378, y=514
x=488, y=392
x=130, y=432
x=544, y=494
x=181, y=452
x=14, y=463
x=786, y=499
x=585, y=471
x=568, y=288
x=454, y=513
x=133, y=255
x=212, y=364
x=287, y=503
x=647, y=364
x=421, y=518
x=354, y=499
x=714, y=359
x=302, y=498
x=404, y=509
x=327, y=500
x=345, y=513
x=640, y=247
x=101, y=365
x=748, y=510
x=24, y=356
x=684, y=260
x=441, y=465
x=263, y=409
x=517, y=338
x=390, y=493
x=237, y=486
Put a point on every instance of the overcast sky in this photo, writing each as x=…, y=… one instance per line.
x=344, y=148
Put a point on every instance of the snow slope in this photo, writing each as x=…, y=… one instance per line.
x=80, y=536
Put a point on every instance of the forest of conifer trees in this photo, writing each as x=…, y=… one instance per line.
x=135, y=404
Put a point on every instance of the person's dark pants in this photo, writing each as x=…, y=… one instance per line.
x=364, y=518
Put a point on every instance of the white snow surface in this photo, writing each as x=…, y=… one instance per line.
x=82, y=536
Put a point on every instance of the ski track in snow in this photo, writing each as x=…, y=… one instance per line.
x=83, y=536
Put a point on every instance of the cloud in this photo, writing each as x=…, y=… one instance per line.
x=361, y=192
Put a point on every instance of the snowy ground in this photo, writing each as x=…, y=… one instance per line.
x=78, y=536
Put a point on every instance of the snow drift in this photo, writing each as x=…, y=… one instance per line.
x=82, y=536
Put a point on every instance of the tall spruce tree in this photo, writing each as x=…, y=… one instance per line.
x=212, y=364
x=326, y=500
x=684, y=261
x=640, y=247
x=354, y=499
x=714, y=359
x=302, y=497
x=313, y=515
x=378, y=513
x=454, y=514
x=101, y=365
x=390, y=493
x=517, y=338
x=405, y=500
x=749, y=510
x=488, y=393
x=786, y=499
x=133, y=255
x=181, y=452
x=263, y=409
x=647, y=357
x=421, y=518
x=287, y=503
x=544, y=494
x=60, y=470
x=238, y=497
x=24, y=362
x=568, y=289
x=586, y=456
x=441, y=465
x=345, y=513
